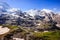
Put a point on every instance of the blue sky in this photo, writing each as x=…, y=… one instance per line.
x=34, y=4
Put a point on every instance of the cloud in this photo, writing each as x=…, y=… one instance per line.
x=1, y=7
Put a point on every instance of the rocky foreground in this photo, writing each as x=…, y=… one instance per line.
x=24, y=33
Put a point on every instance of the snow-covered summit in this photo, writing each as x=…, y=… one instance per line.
x=47, y=10
x=43, y=12
x=33, y=12
x=13, y=9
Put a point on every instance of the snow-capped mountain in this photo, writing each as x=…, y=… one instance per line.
x=14, y=16
x=30, y=13
x=44, y=13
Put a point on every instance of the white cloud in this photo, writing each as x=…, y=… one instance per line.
x=1, y=7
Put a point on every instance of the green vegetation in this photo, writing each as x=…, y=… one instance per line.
x=46, y=25
x=11, y=26
x=52, y=35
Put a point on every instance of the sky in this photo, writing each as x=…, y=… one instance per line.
x=34, y=4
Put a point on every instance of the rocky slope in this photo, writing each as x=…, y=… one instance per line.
x=30, y=18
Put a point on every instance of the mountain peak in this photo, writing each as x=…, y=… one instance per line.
x=46, y=10
x=33, y=12
x=13, y=9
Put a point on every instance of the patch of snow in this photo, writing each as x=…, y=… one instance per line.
x=38, y=24
x=35, y=31
x=18, y=39
x=46, y=31
x=3, y=30
x=14, y=15
x=58, y=25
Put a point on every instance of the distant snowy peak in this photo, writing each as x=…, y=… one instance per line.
x=33, y=12
x=43, y=12
x=13, y=9
x=47, y=10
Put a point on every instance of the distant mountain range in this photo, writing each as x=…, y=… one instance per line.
x=14, y=16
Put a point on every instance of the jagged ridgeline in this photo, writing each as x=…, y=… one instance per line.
x=28, y=25
x=30, y=18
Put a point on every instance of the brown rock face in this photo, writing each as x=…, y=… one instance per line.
x=57, y=18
